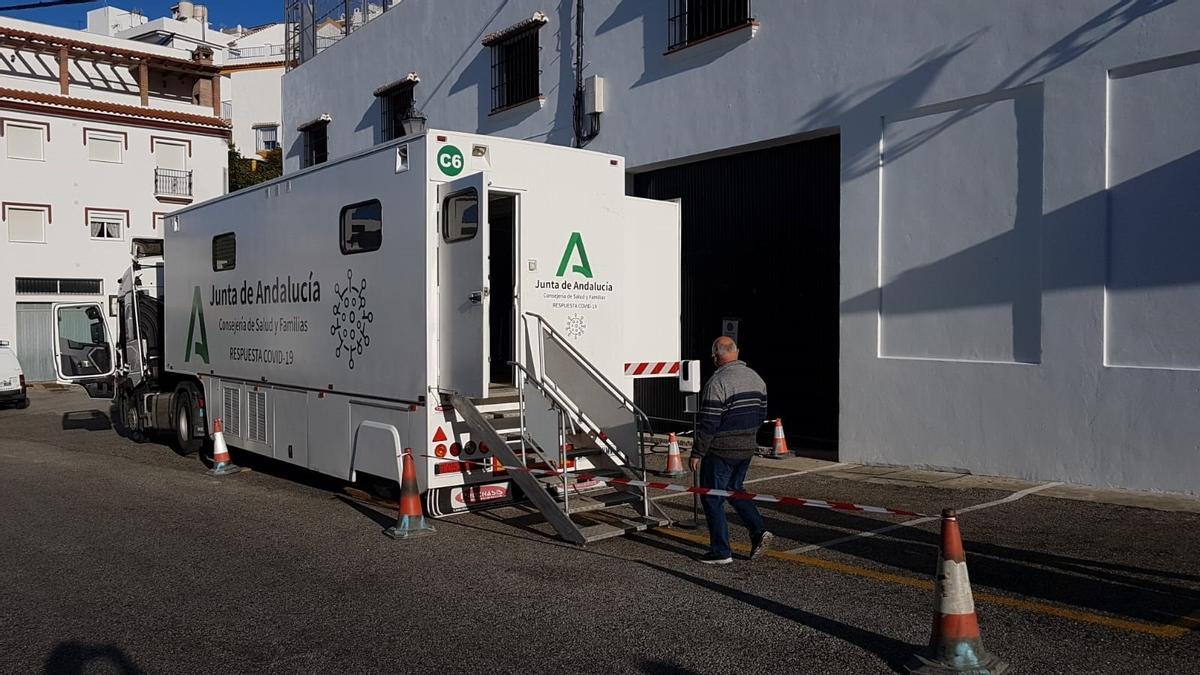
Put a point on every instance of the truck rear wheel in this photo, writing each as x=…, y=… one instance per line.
x=185, y=440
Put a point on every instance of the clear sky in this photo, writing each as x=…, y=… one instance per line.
x=220, y=12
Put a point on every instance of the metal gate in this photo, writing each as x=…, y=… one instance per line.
x=35, y=333
x=760, y=247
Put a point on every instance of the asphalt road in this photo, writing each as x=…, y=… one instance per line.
x=125, y=557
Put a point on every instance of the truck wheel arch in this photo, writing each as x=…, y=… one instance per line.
x=187, y=417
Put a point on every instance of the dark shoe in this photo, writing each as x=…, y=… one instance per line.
x=761, y=543
x=710, y=559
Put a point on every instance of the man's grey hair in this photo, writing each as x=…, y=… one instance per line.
x=724, y=345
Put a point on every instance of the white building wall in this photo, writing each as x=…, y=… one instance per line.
x=68, y=182
x=1017, y=196
x=256, y=94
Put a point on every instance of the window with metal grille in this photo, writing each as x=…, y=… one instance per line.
x=395, y=105
x=516, y=65
x=39, y=286
x=224, y=252
x=232, y=418
x=693, y=20
x=316, y=144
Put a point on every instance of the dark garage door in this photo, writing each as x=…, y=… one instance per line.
x=760, y=245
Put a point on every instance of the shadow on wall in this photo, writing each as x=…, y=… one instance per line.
x=1076, y=238
x=1013, y=269
x=76, y=658
x=902, y=93
x=657, y=64
x=553, y=57
x=372, y=119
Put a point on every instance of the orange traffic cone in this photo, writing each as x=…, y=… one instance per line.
x=955, y=645
x=674, y=460
x=781, y=448
x=221, y=463
x=410, y=521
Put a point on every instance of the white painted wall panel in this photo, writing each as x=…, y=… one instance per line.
x=1153, y=309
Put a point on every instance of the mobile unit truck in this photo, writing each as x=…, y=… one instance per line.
x=473, y=298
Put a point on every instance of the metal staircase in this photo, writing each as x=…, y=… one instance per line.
x=567, y=414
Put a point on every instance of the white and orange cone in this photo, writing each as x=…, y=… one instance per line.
x=955, y=645
x=780, y=448
x=221, y=462
x=674, y=460
x=410, y=521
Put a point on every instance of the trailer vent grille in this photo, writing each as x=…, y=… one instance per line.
x=233, y=411
x=256, y=416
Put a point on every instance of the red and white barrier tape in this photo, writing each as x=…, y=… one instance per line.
x=652, y=369
x=713, y=492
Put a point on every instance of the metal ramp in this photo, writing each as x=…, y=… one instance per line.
x=567, y=411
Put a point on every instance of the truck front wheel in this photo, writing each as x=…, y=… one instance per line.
x=127, y=411
x=186, y=441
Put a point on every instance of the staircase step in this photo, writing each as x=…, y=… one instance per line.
x=504, y=424
x=592, y=502
x=598, y=532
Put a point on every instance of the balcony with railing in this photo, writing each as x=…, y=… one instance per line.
x=173, y=183
x=256, y=52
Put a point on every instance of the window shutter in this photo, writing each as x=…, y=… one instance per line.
x=26, y=225
x=171, y=156
x=24, y=142
x=103, y=149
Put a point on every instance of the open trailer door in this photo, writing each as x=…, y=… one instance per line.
x=464, y=296
x=83, y=349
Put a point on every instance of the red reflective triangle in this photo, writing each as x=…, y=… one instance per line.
x=439, y=436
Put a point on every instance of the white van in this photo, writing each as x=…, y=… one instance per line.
x=12, y=380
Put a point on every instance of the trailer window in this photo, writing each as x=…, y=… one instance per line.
x=224, y=252
x=362, y=227
x=460, y=216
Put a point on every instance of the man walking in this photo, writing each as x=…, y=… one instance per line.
x=732, y=407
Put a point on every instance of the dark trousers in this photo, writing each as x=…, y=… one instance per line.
x=726, y=474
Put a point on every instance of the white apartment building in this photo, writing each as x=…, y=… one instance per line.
x=251, y=61
x=252, y=77
x=100, y=138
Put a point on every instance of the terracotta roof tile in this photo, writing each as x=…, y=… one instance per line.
x=113, y=108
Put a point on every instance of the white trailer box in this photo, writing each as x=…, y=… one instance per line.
x=326, y=313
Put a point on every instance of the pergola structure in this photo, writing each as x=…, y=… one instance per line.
x=66, y=50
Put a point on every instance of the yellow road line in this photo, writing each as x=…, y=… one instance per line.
x=1179, y=628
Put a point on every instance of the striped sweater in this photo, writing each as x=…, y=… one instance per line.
x=732, y=407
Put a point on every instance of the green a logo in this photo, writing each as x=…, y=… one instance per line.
x=201, y=347
x=583, y=268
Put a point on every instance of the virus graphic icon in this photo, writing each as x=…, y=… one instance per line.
x=576, y=326
x=351, y=318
